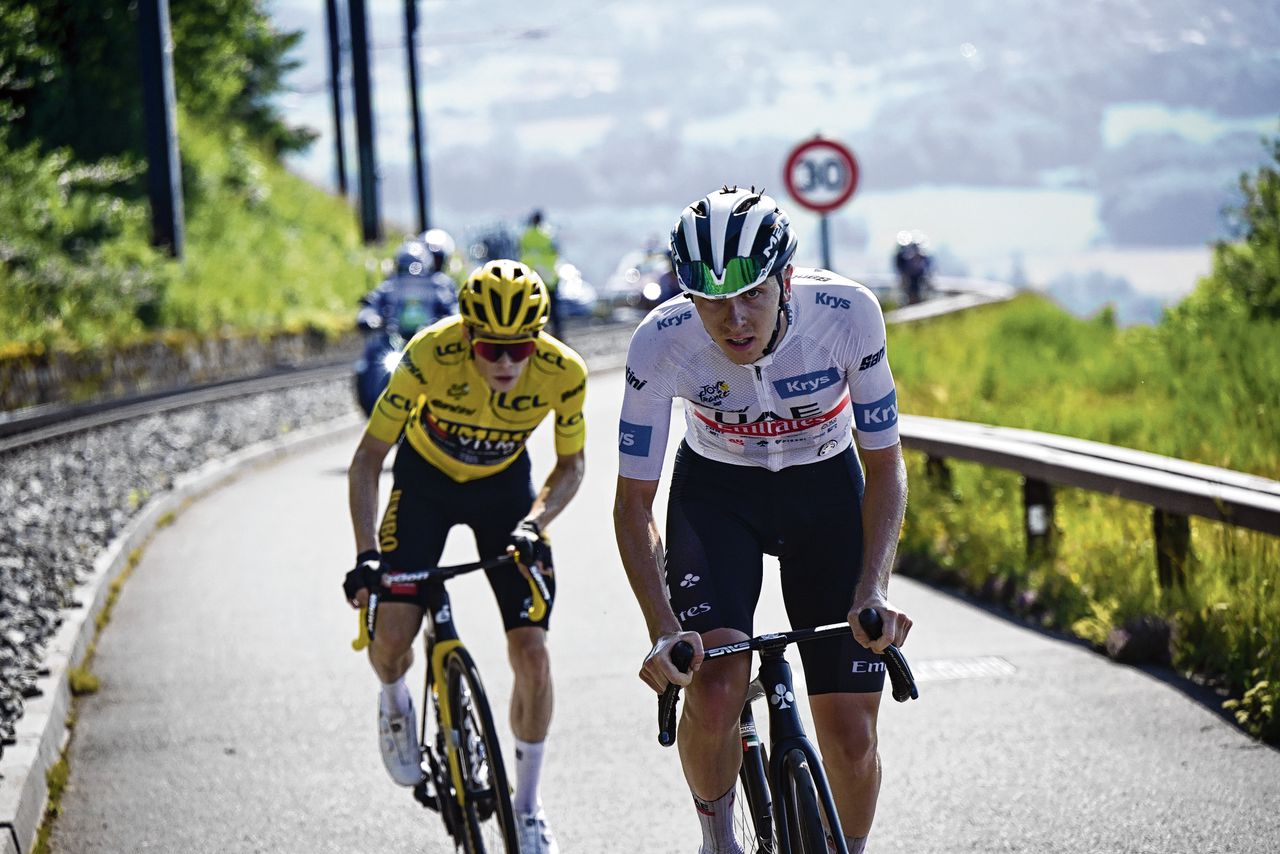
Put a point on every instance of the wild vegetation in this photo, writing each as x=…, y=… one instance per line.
x=1202, y=385
x=264, y=250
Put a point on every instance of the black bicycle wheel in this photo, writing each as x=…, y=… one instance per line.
x=805, y=830
x=490, y=821
x=753, y=807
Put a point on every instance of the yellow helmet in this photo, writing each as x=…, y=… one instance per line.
x=505, y=298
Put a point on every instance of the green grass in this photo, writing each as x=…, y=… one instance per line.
x=1211, y=394
x=264, y=250
x=1207, y=391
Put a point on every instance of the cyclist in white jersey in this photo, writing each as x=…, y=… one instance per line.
x=779, y=370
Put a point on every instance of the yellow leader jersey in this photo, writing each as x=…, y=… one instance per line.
x=457, y=423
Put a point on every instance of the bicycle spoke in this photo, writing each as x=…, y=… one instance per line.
x=490, y=824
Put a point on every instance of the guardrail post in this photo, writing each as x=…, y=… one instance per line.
x=1037, y=516
x=937, y=472
x=1173, y=547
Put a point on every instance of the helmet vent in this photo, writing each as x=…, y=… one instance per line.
x=495, y=301
x=517, y=272
x=746, y=204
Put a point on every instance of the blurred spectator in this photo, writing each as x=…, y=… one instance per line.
x=538, y=249
x=913, y=264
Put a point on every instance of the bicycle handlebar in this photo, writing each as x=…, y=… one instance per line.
x=900, y=678
x=367, y=617
x=681, y=657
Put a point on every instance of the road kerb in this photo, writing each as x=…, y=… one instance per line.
x=41, y=734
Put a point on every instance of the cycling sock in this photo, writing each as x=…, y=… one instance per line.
x=397, y=695
x=855, y=844
x=528, y=773
x=716, y=818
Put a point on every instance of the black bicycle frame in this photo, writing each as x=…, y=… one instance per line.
x=786, y=730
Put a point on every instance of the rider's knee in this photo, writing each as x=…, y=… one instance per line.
x=715, y=699
x=528, y=653
x=392, y=641
x=855, y=743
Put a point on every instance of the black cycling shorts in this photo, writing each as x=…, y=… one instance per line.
x=425, y=503
x=721, y=521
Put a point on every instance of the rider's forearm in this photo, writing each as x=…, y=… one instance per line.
x=560, y=487
x=640, y=546
x=884, y=503
x=362, y=497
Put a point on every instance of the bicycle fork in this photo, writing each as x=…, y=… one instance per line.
x=786, y=735
x=441, y=638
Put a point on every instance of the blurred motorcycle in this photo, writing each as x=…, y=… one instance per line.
x=418, y=294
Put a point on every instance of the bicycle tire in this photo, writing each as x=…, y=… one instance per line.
x=805, y=831
x=489, y=818
x=753, y=805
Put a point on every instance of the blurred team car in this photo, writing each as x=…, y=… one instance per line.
x=642, y=280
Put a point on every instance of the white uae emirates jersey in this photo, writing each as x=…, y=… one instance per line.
x=828, y=379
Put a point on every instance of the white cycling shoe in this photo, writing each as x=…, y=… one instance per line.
x=535, y=834
x=398, y=738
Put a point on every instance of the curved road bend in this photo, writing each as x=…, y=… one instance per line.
x=233, y=716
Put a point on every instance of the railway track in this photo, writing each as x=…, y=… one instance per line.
x=602, y=346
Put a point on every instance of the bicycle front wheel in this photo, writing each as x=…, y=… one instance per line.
x=490, y=821
x=752, y=806
x=805, y=826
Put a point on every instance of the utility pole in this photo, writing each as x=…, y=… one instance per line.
x=419, y=141
x=335, y=90
x=164, y=172
x=370, y=221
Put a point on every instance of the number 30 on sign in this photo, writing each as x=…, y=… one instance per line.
x=821, y=174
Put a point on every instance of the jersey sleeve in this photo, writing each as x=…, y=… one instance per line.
x=392, y=409
x=571, y=427
x=646, y=410
x=871, y=387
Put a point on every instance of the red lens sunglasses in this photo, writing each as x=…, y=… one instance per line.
x=491, y=350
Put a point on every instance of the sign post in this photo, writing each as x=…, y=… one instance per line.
x=821, y=174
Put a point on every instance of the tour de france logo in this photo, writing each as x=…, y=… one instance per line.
x=714, y=393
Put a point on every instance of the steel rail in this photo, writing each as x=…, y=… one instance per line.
x=31, y=426
x=27, y=427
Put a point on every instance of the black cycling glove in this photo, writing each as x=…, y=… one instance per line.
x=365, y=576
x=531, y=545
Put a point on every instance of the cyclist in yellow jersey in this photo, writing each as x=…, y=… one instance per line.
x=466, y=396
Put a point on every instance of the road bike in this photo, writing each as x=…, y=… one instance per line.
x=464, y=778
x=784, y=803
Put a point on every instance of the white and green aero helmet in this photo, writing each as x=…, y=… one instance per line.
x=730, y=241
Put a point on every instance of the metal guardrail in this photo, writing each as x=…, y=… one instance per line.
x=1170, y=484
x=1175, y=489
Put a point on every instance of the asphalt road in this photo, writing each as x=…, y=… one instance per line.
x=234, y=717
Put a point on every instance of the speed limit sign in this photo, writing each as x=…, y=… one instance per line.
x=821, y=174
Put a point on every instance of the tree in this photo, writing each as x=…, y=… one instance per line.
x=1249, y=268
x=69, y=73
